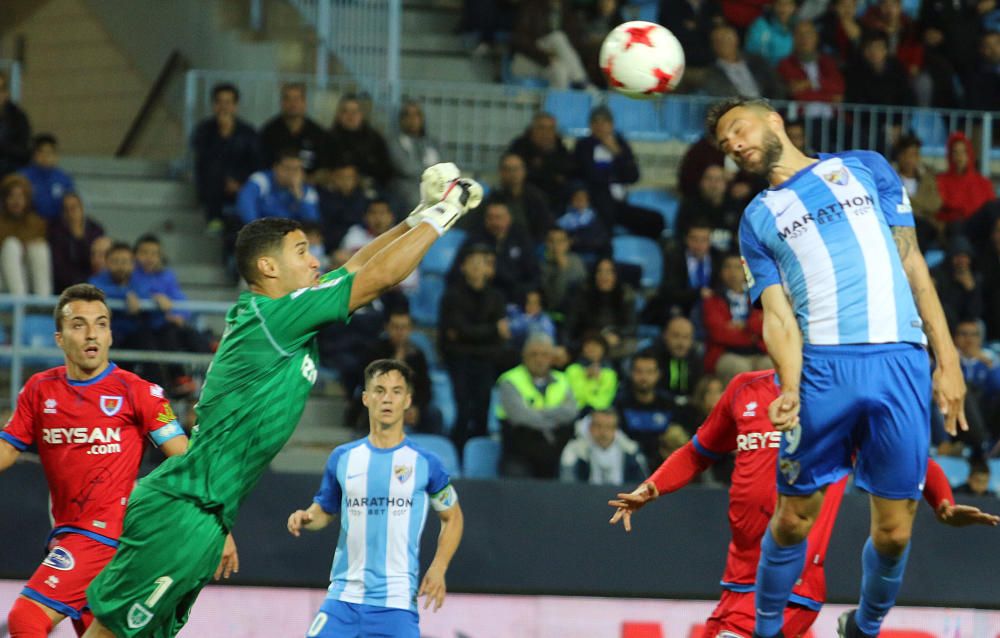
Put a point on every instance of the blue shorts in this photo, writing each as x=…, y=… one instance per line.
x=871, y=399
x=337, y=619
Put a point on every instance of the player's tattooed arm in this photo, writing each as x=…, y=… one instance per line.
x=949, y=385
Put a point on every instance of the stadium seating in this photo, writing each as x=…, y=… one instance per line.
x=659, y=200
x=492, y=422
x=37, y=333
x=425, y=301
x=481, y=458
x=423, y=343
x=995, y=476
x=931, y=130
x=955, y=468
x=439, y=258
x=443, y=397
x=643, y=252
x=442, y=447
x=637, y=119
x=683, y=120
x=571, y=110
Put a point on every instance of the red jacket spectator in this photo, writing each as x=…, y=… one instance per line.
x=904, y=36
x=740, y=13
x=721, y=335
x=793, y=69
x=963, y=189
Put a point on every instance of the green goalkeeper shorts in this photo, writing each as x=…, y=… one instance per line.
x=169, y=550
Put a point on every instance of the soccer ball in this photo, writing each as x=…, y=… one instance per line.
x=642, y=59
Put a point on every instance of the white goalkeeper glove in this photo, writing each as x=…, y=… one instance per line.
x=461, y=196
x=433, y=184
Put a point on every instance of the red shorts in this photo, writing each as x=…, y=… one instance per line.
x=735, y=614
x=60, y=582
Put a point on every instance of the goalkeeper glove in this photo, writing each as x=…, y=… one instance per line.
x=433, y=184
x=462, y=195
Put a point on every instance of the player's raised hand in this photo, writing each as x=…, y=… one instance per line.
x=964, y=515
x=297, y=520
x=433, y=184
x=949, y=394
x=230, y=563
x=784, y=411
x=433, y=587
x=461, y=196
x=629, y=503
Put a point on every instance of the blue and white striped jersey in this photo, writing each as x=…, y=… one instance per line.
x=382, y=496
x=824, y=235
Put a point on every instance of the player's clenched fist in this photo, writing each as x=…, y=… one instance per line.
x=433, y=184
x=298, y=520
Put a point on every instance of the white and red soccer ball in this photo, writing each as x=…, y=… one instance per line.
x=642, y=59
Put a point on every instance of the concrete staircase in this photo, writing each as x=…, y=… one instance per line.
x=431, y=48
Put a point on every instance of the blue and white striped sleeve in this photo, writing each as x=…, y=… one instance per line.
x=329, y=495
x=892, y=196
x=759, y=265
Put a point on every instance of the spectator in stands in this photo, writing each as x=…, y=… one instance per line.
x=840, y=32
x=984, y=84
x=734, y=338
x=607, y=166
x=707, y=393
x=959, y=286
x=598, y=20
x=678, y=359
x=589, y=236
x=546, y=41
x=711, y=205
x=99, y=254
x=396, y=344
x=921, y=186
x=355, y=141
x=963, y=189
x=280, y=191
x=601, y=454
x=536, y=411
x=547, y=160
x=70, y=239
x=25, y=257
x=562, y=272
x=342, y=202
x=527, y=204
x=49, y=183
x=770, y=35
x=877, y=77
x=483, y=19
x=991, y=282
x=735, y=73
x=317, y=247
x=226, y=152
x=812, y=77
x=293, y=129
x=15, y=131
x=592, y=377
x=528, y=318
x=607, y=306
x=691, y=21
x=796, y=130
x=981, y=370
x=472, y=332
x=172, y=328
x=129, y=327
x=688, y=275
x=644, y=409
x=903, y=38
x=412, y=150
x=951, y=31
x=378, y=218
x=978, y=483
x=515, y=260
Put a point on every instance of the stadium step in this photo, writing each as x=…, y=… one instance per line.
x=205, y=274
x=426, y=17
x=80, y=166
x=444, y=67
x=99, y=191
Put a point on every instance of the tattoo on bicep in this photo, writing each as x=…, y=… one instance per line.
x=906, y=240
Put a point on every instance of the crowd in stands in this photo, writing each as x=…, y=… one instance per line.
x=548, y=340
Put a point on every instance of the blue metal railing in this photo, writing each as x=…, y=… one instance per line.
x=21, y=347
x=13, y=70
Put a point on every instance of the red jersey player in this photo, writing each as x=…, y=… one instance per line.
x=739, y=423
x=89, y=420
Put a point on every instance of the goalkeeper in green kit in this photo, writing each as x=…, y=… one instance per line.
x=255, y=391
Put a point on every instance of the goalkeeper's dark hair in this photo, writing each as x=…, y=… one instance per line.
x=379, y=367
x=77, y=292
x=720, y=108
x=258, y=238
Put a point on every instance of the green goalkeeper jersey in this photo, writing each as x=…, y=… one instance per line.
x=255, y=391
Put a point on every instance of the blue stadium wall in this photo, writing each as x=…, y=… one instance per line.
x=531, y=537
